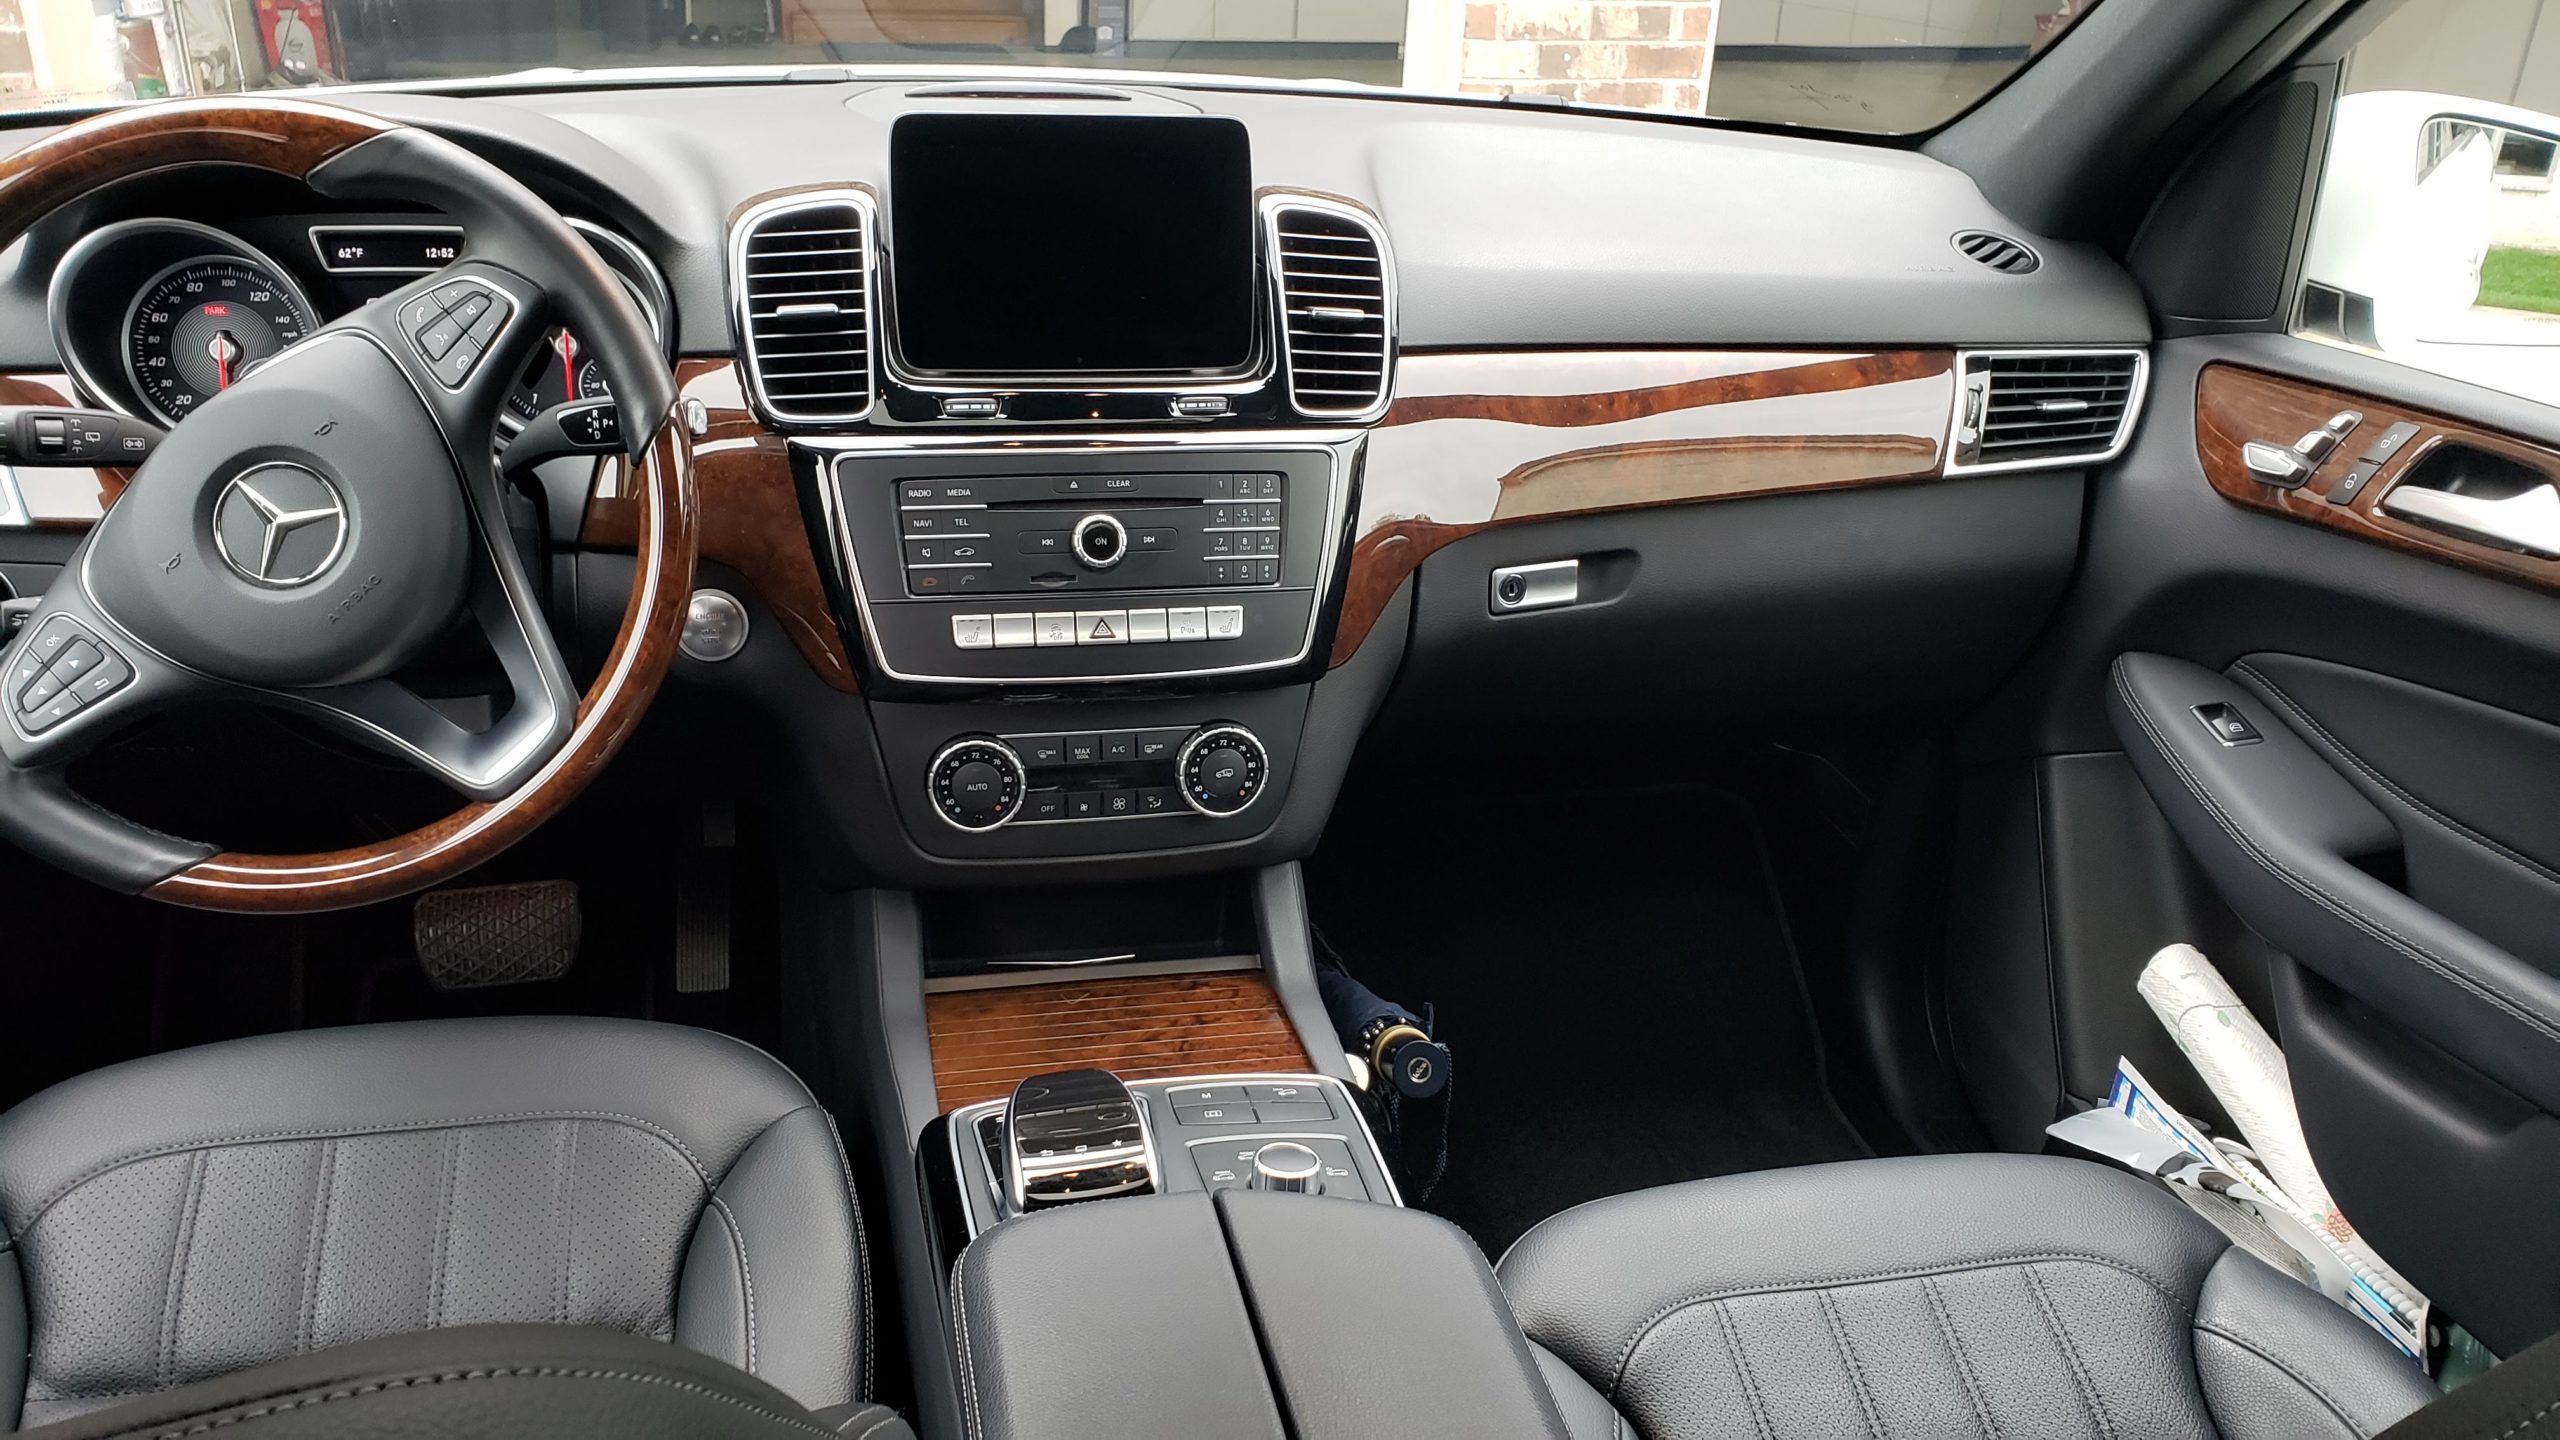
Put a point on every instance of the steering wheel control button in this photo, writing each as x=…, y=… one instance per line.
x=715, y=627
x=1221, y=769
x=976, y=784
x=1099, y=542
x=59, y=671
x=453, y=327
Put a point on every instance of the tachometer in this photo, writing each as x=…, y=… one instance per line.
x=196, y=326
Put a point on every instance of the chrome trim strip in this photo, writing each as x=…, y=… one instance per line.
x=1272, y=205
x=2124, y=431
x=743, y=325
x=1342, y=448
x=13, y=505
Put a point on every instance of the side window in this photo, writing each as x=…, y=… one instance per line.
x=2436, y=241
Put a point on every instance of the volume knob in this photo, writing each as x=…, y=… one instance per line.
x=976, y=783
x=1221, y=768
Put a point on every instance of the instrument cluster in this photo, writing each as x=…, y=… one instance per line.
x=153, y=317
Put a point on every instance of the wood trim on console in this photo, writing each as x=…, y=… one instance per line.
x=751, y=519
x=2235, y=405
x=985, y=1042
x=1474, y=441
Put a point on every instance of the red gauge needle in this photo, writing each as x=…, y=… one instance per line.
x=568, y=366
x=225, y=352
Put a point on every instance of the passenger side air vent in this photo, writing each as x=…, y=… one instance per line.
x=800, y=276
x=1985, y=247
x=2016, y=408
x=1335, y=287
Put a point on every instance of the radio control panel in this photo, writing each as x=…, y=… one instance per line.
x=1091, y=562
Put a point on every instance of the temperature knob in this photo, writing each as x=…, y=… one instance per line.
x=1221, y=768
x=976, y=783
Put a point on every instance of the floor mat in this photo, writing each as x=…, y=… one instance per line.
x=1615, y=982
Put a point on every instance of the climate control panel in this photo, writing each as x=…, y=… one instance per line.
x=985, y=782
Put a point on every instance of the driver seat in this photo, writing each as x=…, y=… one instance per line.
x=192, y=1214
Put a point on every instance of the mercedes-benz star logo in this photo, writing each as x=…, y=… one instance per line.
x=280, y=525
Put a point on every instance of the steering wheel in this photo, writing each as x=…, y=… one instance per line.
x=316, y=527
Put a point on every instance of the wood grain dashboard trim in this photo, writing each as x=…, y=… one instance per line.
x=1475, y=441
x=985, y=1042
x=751, y=517
x=2235, y=405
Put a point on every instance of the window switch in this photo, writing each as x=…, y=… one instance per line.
x=2227, y=724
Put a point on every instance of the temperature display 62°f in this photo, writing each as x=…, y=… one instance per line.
x=198, y=326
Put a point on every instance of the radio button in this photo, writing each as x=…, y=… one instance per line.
x=1146, y=627
x=1044, y=542
x=973, y=632
x=1226, y=622
x=1056, y=627
x=1190, y=623
x=1016, y=632
x=1102, y=627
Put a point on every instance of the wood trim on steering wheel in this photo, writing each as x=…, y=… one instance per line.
x=661, y=587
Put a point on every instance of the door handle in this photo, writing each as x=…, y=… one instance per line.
x=2528, y=520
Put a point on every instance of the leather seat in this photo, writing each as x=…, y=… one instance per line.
x=193, y=1214
x=1943, y=1295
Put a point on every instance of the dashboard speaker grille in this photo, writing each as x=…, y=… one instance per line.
x=1337, y=305
x=802, y=282
x=2046, y=407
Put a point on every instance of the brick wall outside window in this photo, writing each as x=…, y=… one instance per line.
x=1635, y=53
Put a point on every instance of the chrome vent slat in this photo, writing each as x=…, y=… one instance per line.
x=801, y=273
x=1336, y=302
x=2028, y=408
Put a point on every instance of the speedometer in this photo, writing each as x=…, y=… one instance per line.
x=199, y=324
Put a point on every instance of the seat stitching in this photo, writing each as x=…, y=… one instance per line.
x=2296, y=1376
x=746, y=1273
x=2070, y=1353
x=874, y=1427
x=315, y=1248
x=968, y=1352
x=1626, y=1352
x=518, y=1372
x=1742, y=1371
x=444, y=1205
x=861, y=1243
x=1955, y=1347
x=1823, y=1302
x=568, y=1191
x=173, y=1290
x=2528, y=1422
x=220, y=1142
x=2275, y=695
x=2313, y=891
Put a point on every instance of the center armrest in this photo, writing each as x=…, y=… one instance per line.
x=1237, y=1314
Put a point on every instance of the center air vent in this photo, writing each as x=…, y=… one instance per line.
x=2044, y=407
x=800, y=276
x=1986, y=247
x=1336, y=289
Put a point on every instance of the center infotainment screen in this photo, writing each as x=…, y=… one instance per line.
x=1028, y=246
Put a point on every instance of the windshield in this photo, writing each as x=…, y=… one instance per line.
x=1873, y=66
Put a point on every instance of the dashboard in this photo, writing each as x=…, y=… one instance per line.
x=154, y=315
x=1086, y=469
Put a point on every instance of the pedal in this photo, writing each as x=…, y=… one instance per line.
x=484, y=935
